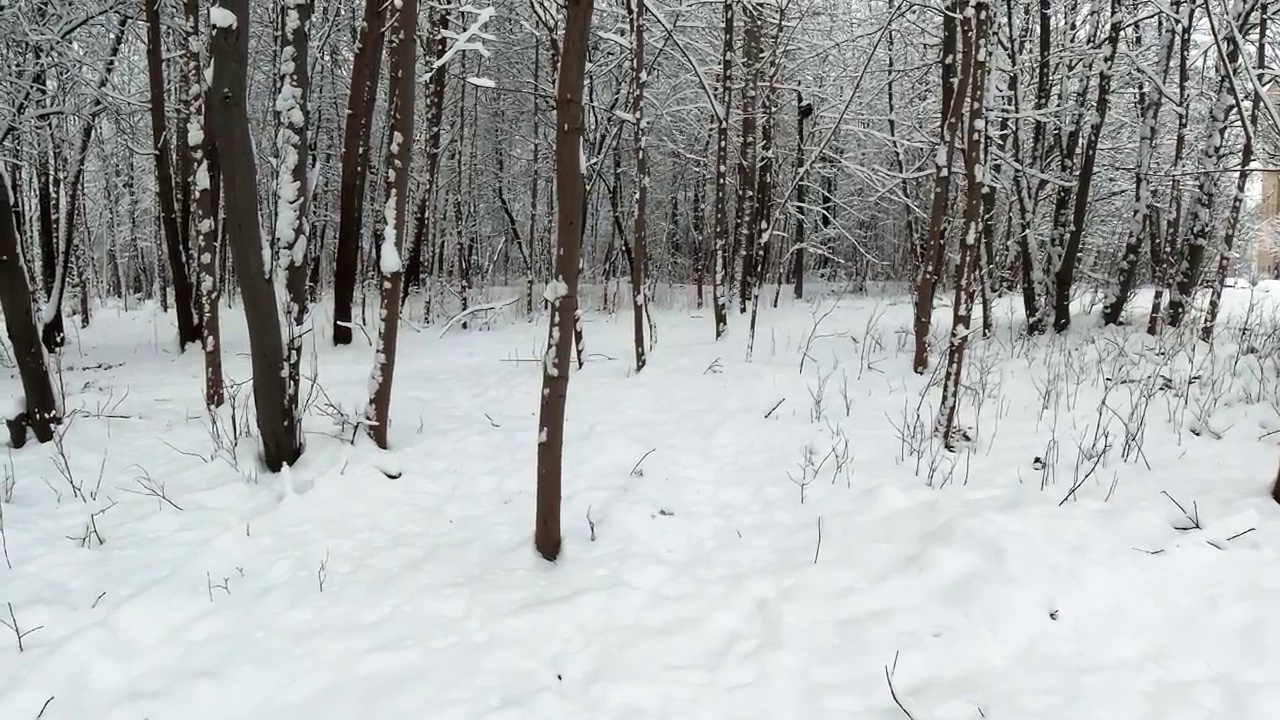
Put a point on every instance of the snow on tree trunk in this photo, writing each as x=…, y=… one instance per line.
x=1211, y=156
x=1150, y=100
x=401, y=44
x=975, y=21
x=719, y=257
x=293, y=194
x=229, y=121
x=204, y=213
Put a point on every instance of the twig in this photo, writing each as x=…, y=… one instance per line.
x=591, y=524
x=491, y=422
x=1241, y=534
x=818, y=549
x=774, y=408
x=888, y=678
x=44, y=707
x=98, y=600
x=17, y=631
x=323, y=573
x=636, y=471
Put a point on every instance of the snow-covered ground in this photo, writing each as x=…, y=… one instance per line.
x=725, y=557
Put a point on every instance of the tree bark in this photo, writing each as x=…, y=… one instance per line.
x=562, y=292
x=229, y=51
x=719, y=274
x=41, y=406
x=932, y=252
x=635, y=14
x=355, y=160
x=975, y=23
x=402, y=31
x=204, y=223
x=183, y=297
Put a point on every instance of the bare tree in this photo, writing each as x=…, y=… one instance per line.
x=719, y=271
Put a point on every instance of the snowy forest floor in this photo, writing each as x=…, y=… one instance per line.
x=1103, y=547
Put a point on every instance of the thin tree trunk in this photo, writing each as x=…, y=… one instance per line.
x=975, y=22
x=803, y=111
x=422, y=233
x=1173, y=230
x=203, y=167
x=563, y=290
x=355, y=160
x=183, y=296
x=1202, y=220
x=402, y=31
x=1065, y=275
x=932, y=252
x=635, y=14
x=1150, y=101
x=1242, y=176
x=719, y=274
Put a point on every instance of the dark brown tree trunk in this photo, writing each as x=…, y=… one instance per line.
x=229, y=52
x=563, y=290
x=41, y=406
x=183, y=298
x=932, y=252
x=744, y=234
x=803, y=111
x=355, y=160
x=1065, y=274
x=635, y=15
x=402, y=33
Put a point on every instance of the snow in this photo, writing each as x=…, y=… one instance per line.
x=221, y=17
x=989, y=586
x=482, y=82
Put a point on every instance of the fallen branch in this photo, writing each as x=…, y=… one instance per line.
x=487, y=307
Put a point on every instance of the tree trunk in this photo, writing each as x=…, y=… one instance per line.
x=41, y=406
x=932, y=252
x=563, y=290
x=402, y=31
x=355, y=160
x=719, y=275
x=1065, y=274
x=204, y=172
x=293, y=192
x=183, y=297
x=229, y=53
x=975, y=23
x=803, y=111
x=435, y=112
x=1242, y=176
x=1202, y=220
x=635, y=14
x=1150, y=101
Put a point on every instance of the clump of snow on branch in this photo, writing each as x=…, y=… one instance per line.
x=470, y=39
